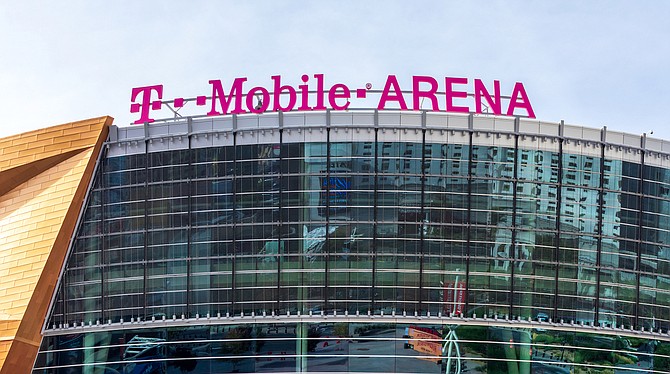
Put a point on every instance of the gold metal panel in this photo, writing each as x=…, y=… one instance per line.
x=44, y=176
x=4, y=349
x=19, y=255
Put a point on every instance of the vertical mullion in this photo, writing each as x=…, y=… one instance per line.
x=146, y=225
x=638, y=263
x=513, y=245
x=559, y=204
x=599, y=230
x=189, y=231
x=103, y=242
x=233, y=284
x=280, y=203
x=327, y=245
x=423, y=208
x=374, y=212
x=468, y=234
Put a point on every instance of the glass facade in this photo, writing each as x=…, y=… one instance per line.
x=375, y=225
x=349, y=347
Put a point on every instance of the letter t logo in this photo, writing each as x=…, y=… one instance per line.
x=146, y=104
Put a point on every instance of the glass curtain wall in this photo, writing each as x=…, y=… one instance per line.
x=533, y=232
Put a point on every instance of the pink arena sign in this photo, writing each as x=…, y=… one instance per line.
x=314, y=95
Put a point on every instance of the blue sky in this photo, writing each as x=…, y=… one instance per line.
x=595, y=63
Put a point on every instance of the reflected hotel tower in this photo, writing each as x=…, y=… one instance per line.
x=358, y=240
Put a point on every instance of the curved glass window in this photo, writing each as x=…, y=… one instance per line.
x=381, y=227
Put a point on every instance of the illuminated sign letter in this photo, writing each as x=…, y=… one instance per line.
x=520, y=93
x=392, y=82
x=218, y=93
x=278, y=89
x=146, y=104
x=304, y=93
x=493, y=102
x=451, y=94
x=319, y=92
x=333, y=95
x=430, y=94
x=263, y=100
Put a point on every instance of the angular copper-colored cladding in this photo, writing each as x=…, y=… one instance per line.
x=44, y=176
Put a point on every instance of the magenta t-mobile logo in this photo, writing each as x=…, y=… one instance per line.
x=146, y=103
x=458, y=95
